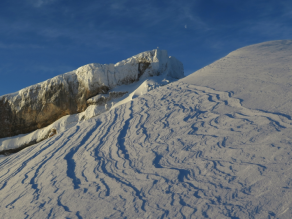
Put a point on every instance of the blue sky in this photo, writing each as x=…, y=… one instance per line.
x=40, y=39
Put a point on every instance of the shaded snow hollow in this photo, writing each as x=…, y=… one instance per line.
x=178, y=151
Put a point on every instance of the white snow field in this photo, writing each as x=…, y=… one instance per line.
x=216, y=144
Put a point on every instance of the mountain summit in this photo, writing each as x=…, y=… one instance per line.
x=183, y=150
x=39, y=105
x=83, y=93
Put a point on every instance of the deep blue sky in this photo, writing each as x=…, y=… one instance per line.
x=40, y=39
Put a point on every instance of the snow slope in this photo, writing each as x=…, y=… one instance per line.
x=260, y=75
x=178, y=151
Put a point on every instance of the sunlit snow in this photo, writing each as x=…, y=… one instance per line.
x=201, y=147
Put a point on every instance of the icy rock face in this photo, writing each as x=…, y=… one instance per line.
x=39, y=105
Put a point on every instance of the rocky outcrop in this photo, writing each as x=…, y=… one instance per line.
x=39, y=105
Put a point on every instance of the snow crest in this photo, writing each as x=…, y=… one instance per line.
x=42, y=104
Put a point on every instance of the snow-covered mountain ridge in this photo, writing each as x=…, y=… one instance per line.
x=178, y=151
x=90, y=90
x=40, y=105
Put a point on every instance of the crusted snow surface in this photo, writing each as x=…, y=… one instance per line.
x=179, y=151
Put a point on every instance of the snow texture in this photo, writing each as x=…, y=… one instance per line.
x=178, y=151
x=260, y=75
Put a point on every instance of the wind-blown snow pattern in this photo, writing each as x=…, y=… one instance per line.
x=178, y=151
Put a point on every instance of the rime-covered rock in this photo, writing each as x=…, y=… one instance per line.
x=41, y=104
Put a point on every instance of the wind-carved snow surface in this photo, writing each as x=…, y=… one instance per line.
x=178, y=151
